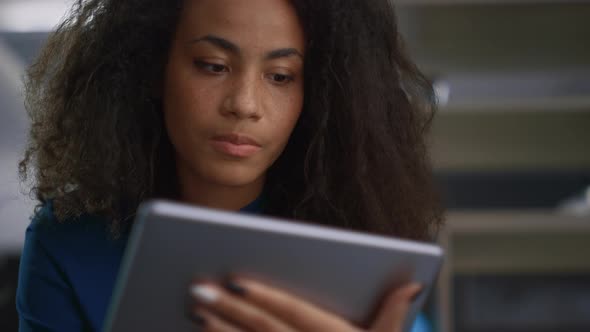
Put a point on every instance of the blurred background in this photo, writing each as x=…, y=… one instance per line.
x=510, y=147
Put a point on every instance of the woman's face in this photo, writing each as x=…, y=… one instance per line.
x=233, y=88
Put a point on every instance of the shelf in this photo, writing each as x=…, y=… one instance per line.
x=547, y=90
x=511, y=141
x=541, y=104
x=516, y=243
x=463, y=223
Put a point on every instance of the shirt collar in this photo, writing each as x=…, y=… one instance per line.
x=255, y=206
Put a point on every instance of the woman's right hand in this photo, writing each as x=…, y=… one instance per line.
x=395, y=308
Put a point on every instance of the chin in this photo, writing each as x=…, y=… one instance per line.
x=233, y=176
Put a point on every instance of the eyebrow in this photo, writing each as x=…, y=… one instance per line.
x=283, y=53
x=233, y=48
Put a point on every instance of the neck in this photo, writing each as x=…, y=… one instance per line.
x=196, y=190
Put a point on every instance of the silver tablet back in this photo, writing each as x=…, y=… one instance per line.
x=341, y=271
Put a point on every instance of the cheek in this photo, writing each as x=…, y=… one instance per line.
x=292, y=107
x=187, y=106
x=289, y=109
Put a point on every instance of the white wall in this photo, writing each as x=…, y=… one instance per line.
x=15, y=208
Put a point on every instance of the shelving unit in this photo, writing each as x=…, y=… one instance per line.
x=518, y=76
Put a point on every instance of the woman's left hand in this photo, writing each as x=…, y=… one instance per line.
x=246, y=305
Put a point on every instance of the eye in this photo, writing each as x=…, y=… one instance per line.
x=280, y=79
x=214, y=68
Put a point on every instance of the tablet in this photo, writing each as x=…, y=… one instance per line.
x=344, y=272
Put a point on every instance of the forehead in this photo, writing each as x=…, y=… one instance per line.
x=262, y=24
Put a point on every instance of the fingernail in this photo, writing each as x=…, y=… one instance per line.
x=234, y=288
x=205, y=294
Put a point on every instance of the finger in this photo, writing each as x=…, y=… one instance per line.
x=209, y=322
x=395, y=308
x=298, y=313
x=236, y=309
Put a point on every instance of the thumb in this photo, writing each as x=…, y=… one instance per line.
x=393, y=311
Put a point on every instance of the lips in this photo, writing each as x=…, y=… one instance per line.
x=235, y=145
x=236, y=139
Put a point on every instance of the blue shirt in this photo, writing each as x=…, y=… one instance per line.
x=68, y=272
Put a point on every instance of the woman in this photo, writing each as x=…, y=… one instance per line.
x=302, y=109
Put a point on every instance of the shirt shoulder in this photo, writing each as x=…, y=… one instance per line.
x=45, y=226
x=74, y=239
x=45, y=297
x=73, y=262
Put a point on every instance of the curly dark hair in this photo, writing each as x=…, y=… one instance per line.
x=357, y=158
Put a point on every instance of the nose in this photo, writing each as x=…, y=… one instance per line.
x=242, y=101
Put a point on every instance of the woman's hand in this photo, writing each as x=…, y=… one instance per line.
x=246, y=305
